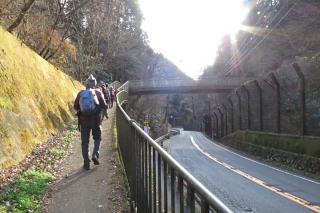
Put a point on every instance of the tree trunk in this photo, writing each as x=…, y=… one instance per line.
x=23, y=12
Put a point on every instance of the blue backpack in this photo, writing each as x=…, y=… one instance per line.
x=88, y=102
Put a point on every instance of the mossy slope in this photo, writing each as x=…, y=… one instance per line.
x=35, y=99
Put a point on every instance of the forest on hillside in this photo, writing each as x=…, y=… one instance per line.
x=277, y=40
x=273, y=32
x=275, y=35
x=102, y=37
x=82, y=37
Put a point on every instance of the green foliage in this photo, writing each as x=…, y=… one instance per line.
x=299, y=146
x=65, y=142
x=175, y=100
x=315, y=151
x=181, y=108
x=25, y=192
x=57, y=153
x=3, y=209
x=61, y=58
x=312, y=60
x=253, y=138
x=73, y=128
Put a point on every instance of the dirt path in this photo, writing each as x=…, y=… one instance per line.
x=100, y=189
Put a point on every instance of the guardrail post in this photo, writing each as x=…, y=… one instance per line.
x=226, y=123
x=217, y=124
x=212, y=126
x=150, y=178
x=231, y=104
x=154, y=176
x=181, y=195
x=240, y=113
x=207, y=125
x=191, y=199
x=136, y=159
x=159, y=184
x=165, y=186
x=302, y=98
x=278, y=119
x=221, y=121
x=145, y=178
x=140, y=189
x=248, y=106
x=204, y=206
x=260, y=104
x=173, y=200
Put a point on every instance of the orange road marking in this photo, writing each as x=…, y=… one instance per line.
x=260, y=182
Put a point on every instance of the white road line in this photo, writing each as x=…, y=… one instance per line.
x=276, y=190
x=279, y=170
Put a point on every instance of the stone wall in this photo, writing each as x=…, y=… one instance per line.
x=301, y=153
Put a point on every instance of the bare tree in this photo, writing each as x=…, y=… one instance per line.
x=23, y=12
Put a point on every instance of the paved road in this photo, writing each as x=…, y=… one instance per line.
x=244, y=185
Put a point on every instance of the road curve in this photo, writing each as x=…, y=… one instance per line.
x=243, y=184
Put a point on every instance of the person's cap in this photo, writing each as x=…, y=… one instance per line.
x=91, y=81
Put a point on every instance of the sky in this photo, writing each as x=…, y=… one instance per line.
x=188, y=32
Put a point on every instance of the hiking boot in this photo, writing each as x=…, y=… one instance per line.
x=95, y=160
x=86, y=166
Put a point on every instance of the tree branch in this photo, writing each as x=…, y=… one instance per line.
x=23, y=12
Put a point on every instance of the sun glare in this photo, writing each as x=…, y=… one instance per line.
x=189, y=32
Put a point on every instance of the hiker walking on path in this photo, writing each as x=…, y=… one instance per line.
x=107, y=95
x=112, y=95
x=89, y=103
x=104, y=112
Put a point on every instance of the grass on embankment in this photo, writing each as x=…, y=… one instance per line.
x=306, y=145
x=36, y=99
x=24, y=193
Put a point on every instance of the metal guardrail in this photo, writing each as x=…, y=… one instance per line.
x=124, y=86
x=157, y=182
x=166, y=137
x=116, y=84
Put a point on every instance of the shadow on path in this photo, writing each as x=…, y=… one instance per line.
x=90, y=191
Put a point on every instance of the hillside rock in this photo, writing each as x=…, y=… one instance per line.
x=35, y=99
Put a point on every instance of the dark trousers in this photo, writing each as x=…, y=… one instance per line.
x=86, y=127
x=111, y=103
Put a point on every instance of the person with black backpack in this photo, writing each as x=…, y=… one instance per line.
x=89, y=103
